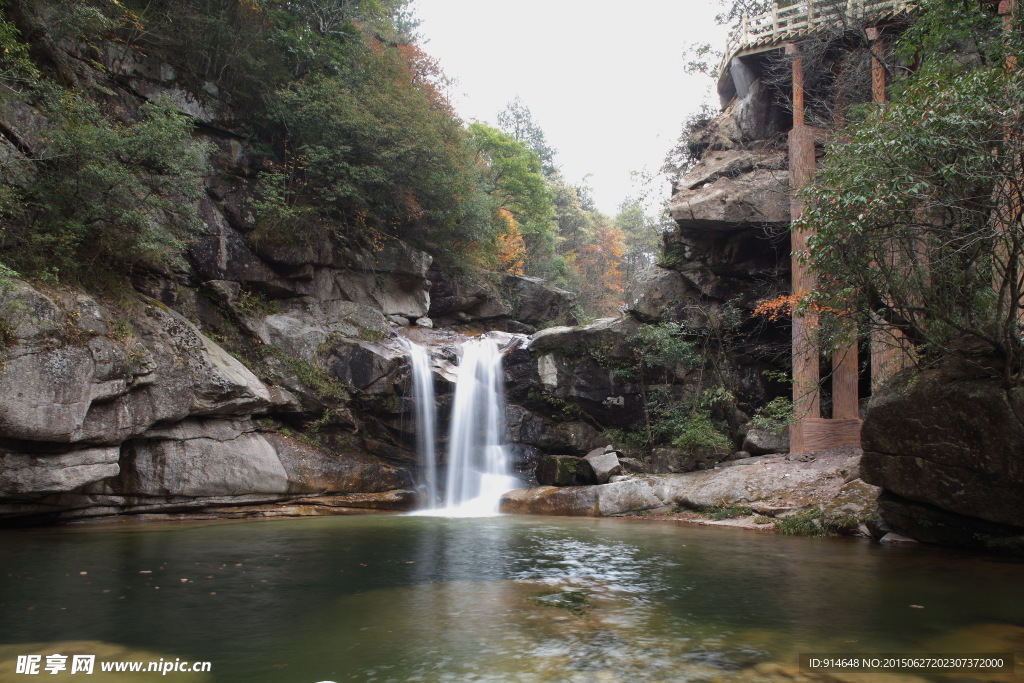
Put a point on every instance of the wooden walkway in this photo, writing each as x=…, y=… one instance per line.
x=801, y=19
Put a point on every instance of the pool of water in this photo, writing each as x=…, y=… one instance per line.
x=390, y=598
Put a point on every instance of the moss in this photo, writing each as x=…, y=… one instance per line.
x=318, y=379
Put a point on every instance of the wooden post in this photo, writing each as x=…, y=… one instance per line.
x=806, y=400
x=845, y=384
x=888, y=355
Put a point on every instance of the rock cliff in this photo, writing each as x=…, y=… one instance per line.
x=261, y=375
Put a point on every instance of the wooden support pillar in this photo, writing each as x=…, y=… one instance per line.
x=1007, y=9
x=888, y=355
x=810, y=431
x=806, y=401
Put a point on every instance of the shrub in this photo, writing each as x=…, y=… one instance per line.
x=100, y=197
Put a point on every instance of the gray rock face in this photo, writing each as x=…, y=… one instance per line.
x=535, y=302
x=949, y=440
x=676, y=461
x=148, y=413
x=23, y=475
x=94, y=388
x=507, y=302
x=757, y=197
x=655, y=293
x=763, y=442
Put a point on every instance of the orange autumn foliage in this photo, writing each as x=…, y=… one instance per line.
x=511, y=254
x=600, y=265
x=783, y=306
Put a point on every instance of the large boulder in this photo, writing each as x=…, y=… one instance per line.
x=535, y=302
x=948, y=438
x=764, y=442
x=605, y=463
x=733, y=189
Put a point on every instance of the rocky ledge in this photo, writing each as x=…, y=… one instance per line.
x=757, y=491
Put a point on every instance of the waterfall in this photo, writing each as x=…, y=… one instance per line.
x=426, y=419
x=478, y=471
x=477, y=458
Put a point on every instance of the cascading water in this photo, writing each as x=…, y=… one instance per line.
x=477, y=462
x=426, y=419
x=478, y=471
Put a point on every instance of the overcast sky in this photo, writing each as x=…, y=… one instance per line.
x=604, y=80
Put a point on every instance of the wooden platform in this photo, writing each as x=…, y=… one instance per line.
x=768, y=31
x=817, y=433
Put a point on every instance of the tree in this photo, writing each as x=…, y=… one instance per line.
x=918, y=205
x=641, y=236
x=600, y=266
x=97, y=198
x=517, y=121
x=515, y=181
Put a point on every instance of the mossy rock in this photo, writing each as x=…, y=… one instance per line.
x=565, y=470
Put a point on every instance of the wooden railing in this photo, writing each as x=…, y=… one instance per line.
x=805, y=17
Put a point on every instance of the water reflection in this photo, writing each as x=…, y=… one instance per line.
x=494, y=599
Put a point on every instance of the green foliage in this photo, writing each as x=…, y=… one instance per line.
x=368, y=154
x=916, y=206
x=516, y=120
x=318, y=379
x=631, y=442
x=665, y=345
x=16, y=68
x=726, y=511
x=100, y=196
x=813, y=522
x=514, y=177
x=801, y=524
x=775, y=416
x=687, y=427
x=255, y=303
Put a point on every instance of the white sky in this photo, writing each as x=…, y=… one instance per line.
x=604, y=80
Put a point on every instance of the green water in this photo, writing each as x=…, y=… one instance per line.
x=499, y=599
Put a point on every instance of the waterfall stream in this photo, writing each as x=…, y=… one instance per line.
x=426, y=420
x=477, y=456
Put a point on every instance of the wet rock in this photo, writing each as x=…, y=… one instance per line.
x=564, y=470
x=219, y=459
x=772, y=486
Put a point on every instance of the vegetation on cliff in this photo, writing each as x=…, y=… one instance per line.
x=347, y=122
x=917, y=206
